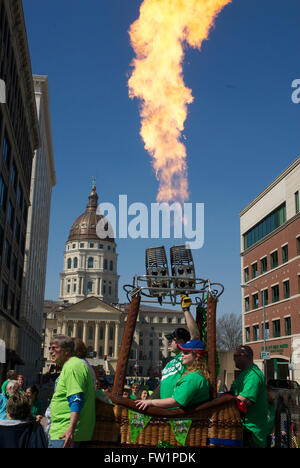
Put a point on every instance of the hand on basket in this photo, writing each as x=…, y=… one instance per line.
x=143, y=404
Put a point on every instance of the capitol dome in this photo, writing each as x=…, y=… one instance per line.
x=85, y=225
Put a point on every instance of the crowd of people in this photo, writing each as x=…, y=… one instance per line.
x=70, y=416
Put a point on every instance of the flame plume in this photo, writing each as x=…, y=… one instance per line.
x=158, y=38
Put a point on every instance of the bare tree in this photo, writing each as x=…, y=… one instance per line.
x=229, y=332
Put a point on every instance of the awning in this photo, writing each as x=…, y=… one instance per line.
x=13, y=357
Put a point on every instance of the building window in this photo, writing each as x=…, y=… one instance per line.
x=69, y=263
x=247, y=304
x=285, y=253
x=246, y=275
x=111, y=265
x=79, y=333
x=3, y=193
x=254, y=270
x=103, y=288
x=90, y=262
x=267, y=331
x=75, y=262
x=91, y=333
x=274, y=259
x=255, y=332
x=68, y=288
x=100, y=246
x=298, y=245
x=4, y=294
x=90, y=286
x=91, y=245
x=297, y=202
x=286, y=289
x=70, y=330
x=276, y=328
x=263, y=265
x=265, y=297
x=111, y=333
x=73, y=246
x=275, y=293
x=287, y=326
x=100, y=351
x=105, y=264
x=247, y=334
x=74, y=286
x=264, y=227
x=255, y=301
x=82, y=245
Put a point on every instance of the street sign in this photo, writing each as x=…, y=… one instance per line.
x=265, y=355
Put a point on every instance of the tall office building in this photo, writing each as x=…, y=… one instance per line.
x=42, y=181
x=19, y=137
x=270, y=267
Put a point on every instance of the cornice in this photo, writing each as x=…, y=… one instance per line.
x=278, y=179
x=19, y=37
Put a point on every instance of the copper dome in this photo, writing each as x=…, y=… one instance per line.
x=85, y=225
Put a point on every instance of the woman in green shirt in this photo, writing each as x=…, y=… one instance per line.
x=193, y=387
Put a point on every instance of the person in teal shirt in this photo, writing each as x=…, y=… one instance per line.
x=193, y=387
x=36, y=404
x=250, y=388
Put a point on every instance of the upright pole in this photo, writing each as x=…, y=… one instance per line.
x=127, y=339
x=211, y=342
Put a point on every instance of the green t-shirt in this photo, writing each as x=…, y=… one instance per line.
x=191, y=389
x=169, y=376
x=75, y=378
x=251, y=385
x=36, y=408
x=132, y=396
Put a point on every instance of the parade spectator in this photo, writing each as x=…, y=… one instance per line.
x=126, y=392
x=10, y=375
x=193, y=387
x=36, y=405
x=17, y=431
x=134, y=391
x=175, y=368
x=250, y=388
x=82, y=352
x=11, y=387
x=143, y=394
x=73, y=403
x=20, y=379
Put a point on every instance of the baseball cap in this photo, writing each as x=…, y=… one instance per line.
x=193, y=345
x=179, y=334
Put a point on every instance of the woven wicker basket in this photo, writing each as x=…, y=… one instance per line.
x=214, y=427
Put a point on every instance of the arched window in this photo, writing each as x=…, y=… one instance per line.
x=90, y=262
x=90, y=287
x=111, y=265
x=75, y=262
x=69, y=263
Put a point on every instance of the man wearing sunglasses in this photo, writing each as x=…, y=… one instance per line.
x=73, y=403
x=175, y=368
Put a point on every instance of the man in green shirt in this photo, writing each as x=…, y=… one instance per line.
x=73, y=403
x=250, y=388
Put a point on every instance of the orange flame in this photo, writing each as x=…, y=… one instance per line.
x=158, y=39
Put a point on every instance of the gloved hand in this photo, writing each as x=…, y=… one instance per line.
x=185, y=302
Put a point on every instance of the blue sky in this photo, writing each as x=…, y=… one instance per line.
x=242, y=129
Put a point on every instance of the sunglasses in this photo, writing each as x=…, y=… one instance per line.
x=53, y=348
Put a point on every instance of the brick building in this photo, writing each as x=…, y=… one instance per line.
x=270, y=267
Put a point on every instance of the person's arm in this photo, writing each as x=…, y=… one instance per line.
x=244, y=400
x=190, y=321
x=165, y=403
x=75, y=402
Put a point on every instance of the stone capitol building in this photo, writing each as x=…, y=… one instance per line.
x=88, y=306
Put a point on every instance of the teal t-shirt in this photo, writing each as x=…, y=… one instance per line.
x=251, y=385
x=75, y=378
x=191, y=389
x=169, y=376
